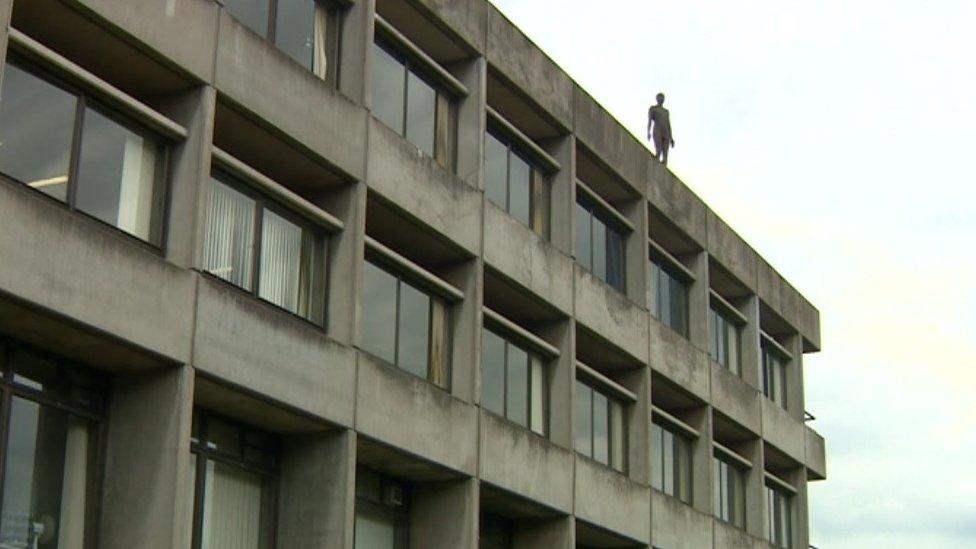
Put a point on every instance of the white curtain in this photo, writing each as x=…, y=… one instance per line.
x=232, y=508
x=281, y=262
x=136, y=189
x=230, y=235
x=72, y=532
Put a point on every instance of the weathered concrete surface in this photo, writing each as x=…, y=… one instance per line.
x=467, y=19
x=413, y=181
x=93, y=274
x=782, y=431
x=411, y=414
x=511, y=52
x=265, y=81
x=444, y=515
x=735, y=398
x=532, y=262
x=726, y=246
x=606, y=137
x=730, y=537
x=256, y=345
x=677, y=526
x=611, y=315
x=612, y=501
x=672, y=198
x=678, y=360
x=517, y=460
x=816, y=460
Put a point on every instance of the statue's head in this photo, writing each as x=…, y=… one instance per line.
x=660, y=99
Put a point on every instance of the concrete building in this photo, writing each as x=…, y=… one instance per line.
x=373, y=274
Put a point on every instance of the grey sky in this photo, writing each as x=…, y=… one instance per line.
x=837, y=138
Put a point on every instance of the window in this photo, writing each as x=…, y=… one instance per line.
x=382, y=511
x=64, y=145
x=495, y=532
x=779, y=516
x=403, y=325
x=512, y=382
x=599, y=244
x=236, y=471
x=774, y=374
x=306, y=30
x=514, y=184
x=252, y=244
x=599, y=426
x=670, y=462
x=405, y=100
x=723, y=335
x=668, y=296
x=728, y=492
x=51, y=416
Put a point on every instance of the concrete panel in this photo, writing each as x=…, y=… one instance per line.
x=182, y=31
x=782, y=431
x=444, y=515
x=411, y=414
x=808, y=322
x=255, y=345
x=532, y=262
x=677, y=526
x=768, y=288
x=415, y=182
x=730, y=537
x=735, y=398
x=673, y=198
x=611, y=315
x=728, y=248
x=606, y=137
x=679, y=360
x=816, y=460
x=93, y=274
x=510, y=51
x=265, y=81
x=517, y=460
x=466, y=18
x=612, y=501
x=789, y=300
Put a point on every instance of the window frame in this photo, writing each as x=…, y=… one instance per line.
x=436, y=300
x=532, y=357
x=770, y=348
x=203, y=452
x=95, y=413
x=678, y=433
x=322, y=243
x=596, y=386
x=399, y=516
x=84, y=101
x=539, y=178
x=734, y=323
x=661, y=264
x=773, y=494
x=595, y=210
x=739, y=510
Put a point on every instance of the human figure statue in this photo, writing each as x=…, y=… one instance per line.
x=660, y=118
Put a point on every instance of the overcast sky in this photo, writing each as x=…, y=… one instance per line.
x=837, y=137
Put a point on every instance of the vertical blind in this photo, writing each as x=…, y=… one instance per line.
x=230, y=235
x=232, y=509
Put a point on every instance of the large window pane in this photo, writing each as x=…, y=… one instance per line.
x=36, y=123
x=584, y=242
x=230, y=235
x=519, y=189
x=281, y=259
x=379, y=305
x=517, y=386
x=421, y=108
x=584, y=419
x=679, y=306
x=601, y=428
x=414, y=330
x=44, y=477
x=615, y=259
x=657, y=457
x=116, y=175
x=496, y=171
x=492, y=372
x=235, y=509
x=253, y=13
x=295, y=29
x=599, y=249
x=537, y=401
x=374, y=531
x=389, y=81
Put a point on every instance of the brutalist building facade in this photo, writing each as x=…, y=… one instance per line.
x=368, y=274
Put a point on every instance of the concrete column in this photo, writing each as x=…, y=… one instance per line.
x=635, y=251
x=6, y=8
x=147, y=500
x=345, y=260
x=701, y=459
x=317, y=491
x=552, y=533
x=471, y=121
x=638, y=417
x=698, y=299
x=795, y=404
x=560, y=378
x=189, y=175
x=465, y=327
x=755, y=482
x=356, y=41
x=749, y=348
x=800, y=509
x=444, y=515
x=562, y=194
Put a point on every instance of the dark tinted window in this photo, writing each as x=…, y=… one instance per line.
x=295, y=29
